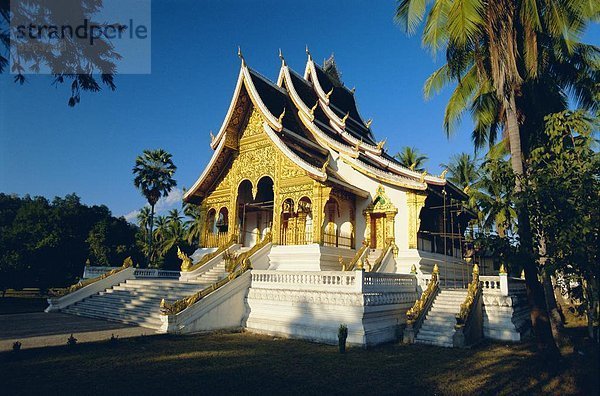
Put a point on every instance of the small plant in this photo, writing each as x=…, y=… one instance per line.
x=342, y=336
x=114, y=339
x=16, y=346
x=71, y=341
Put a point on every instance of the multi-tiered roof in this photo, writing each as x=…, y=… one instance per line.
x=305, y=117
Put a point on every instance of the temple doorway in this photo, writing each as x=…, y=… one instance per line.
x=255, y=210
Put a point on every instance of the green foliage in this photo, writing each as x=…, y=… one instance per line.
x=45, y=244
x=564, y=194
x=16, y=347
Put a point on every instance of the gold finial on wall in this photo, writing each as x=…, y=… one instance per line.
x=280, y=119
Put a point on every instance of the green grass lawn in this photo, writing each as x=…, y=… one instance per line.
x=15, y=305
x=243, y=363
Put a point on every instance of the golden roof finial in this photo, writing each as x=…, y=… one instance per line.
x=422, y=178
x=328, y=94
x=345, y=118
x=412, y=166
x=368, y=123
x=212, y=137
x=307, y=51
x=381, y=144
x=357, y=145
x=353, y=90
x=443, y=175
x=241, y=56
x=312, y=110
x=281, y=57
x=280, y=119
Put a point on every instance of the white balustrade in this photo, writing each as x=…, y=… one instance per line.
x=90, y=272
x=341, y=281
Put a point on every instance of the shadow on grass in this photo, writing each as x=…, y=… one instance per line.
x=250, y=364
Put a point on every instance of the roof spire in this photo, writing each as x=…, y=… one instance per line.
x=281, y=57
x=308, y=52
x=241, y=56
x=328, y=94
x=368, y=123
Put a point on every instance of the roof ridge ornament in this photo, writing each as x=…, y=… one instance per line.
x=281, y=57
x=325, y=165
x=368, y=123
x=308, y=52
x=443, y=175
x=328, y=94
x=241, y=56
x=345, y=118
x=381, y=144
x=212, y=137
x=422, y=178
x=353, y=90
x=280, y=119
x=312, y=110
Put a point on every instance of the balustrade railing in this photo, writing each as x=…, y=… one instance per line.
x=155, y=273
x=215, y=239
x=290, y=236
x=334, y=281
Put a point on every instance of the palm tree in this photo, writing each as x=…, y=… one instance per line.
x=174, y=216
x=493, y=49
x=162, y=226
x=493, y=194
x=463, y=170
x=154, y=171
x=143, y=218
x=411, y=158
x=195, y=224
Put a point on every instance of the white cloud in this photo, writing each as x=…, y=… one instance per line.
x=172, y=200
x=132, y=216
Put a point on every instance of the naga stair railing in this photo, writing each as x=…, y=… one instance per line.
x=416, y=314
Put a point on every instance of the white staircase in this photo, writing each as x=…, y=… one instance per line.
x=137, y=301
x=438, y=327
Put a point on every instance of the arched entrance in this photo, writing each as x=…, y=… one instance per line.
x=255, y=210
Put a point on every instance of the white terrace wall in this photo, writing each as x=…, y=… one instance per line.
x=505, y=308
x=312, y=305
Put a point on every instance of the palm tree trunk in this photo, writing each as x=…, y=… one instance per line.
x=535, y=293
x=150, y=238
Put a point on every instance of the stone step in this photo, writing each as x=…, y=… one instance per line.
x=149, y=325
x=150, y=307
x=142, y=320
x=117, y=311
x=440, y=328
x=434, y=342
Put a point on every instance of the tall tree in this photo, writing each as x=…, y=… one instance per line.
x=411, y=158
x=492, y=49
x=153, y=172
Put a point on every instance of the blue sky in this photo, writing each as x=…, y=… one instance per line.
x=48, y=148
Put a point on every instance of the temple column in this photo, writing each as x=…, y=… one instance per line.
x=320, y=198
x=368, y=227
x=415, y=202
x=276, y=226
